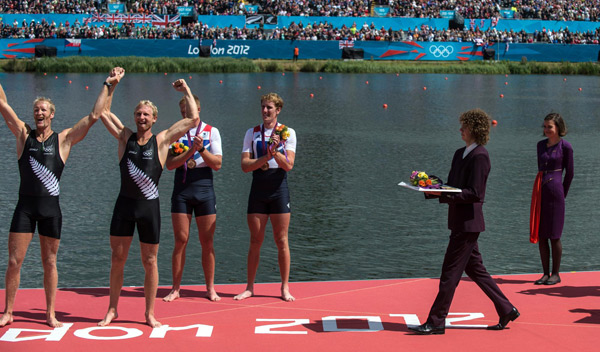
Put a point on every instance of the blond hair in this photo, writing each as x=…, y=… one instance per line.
x=150, y=104
x=47, y=101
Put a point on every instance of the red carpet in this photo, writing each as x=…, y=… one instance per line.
x=327, y=316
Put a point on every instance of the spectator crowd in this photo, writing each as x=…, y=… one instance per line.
x=559, y=10
x=553, y=10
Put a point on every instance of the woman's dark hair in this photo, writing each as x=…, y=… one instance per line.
x=558, y=121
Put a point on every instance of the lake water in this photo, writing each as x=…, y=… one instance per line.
x=350, y=220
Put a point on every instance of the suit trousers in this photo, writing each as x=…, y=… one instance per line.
x=462, y=255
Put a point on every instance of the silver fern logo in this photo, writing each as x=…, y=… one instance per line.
x=47, y=178
x=145, y=183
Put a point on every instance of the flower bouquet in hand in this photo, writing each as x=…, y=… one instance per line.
x=421, y=179
x=283, y=133
x=178, y=148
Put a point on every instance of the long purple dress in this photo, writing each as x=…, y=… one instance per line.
x=552, y=161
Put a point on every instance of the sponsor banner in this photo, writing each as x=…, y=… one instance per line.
x=114, y=8
x=282, y=49
x=251, y=8
x=185, y=10
x=449, y=14
x=381, y=11
x=507, y=14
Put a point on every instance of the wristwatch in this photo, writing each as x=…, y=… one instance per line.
x=107, y=84
x=201, y=149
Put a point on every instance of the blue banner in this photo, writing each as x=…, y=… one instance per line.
x=507, y=14
x=185, y=10
x=449, y=14
x=381, y=11
x=319, y=50
x=114, y=8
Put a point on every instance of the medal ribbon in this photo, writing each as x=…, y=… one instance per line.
x=281, y=143
x=191, y=143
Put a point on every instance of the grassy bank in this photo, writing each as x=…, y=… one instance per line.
x=228, y=65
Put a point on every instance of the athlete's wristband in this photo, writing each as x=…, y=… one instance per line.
x=201, y=149
x=107, y=84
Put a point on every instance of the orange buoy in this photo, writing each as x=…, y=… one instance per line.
x=501, y=95
x=505, y=83
x=505, y=75
x=312, y=95
x=283, y=73
x=259, y=87
x=446, y=78
x=366, y=82
x=55, y=77
x=86, y=87
x=44, y=73
x=190, y=77
x=220, y=81
x=564, y=79
x=320, y=77
x=580, y=89
x=397, y=74
x=165, y=73
x=385, y=106
x=494, y=122
x=70, y=82
x=424, y=88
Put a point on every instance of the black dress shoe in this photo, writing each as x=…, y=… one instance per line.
x=428, y=329
x=505, y=319
x=553, y=280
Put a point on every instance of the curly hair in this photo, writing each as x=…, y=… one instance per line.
x=273, y=98
x=558, y=121
x=478, y=122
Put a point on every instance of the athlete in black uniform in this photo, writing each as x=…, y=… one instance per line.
x=142, y=156
x=42, y=154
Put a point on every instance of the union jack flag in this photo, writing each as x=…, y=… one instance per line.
x=346, y=44
x=494, y=21
x=143, y=18
x=482, y=23
x=472, y=24
x=112, y=18
x=166, y=20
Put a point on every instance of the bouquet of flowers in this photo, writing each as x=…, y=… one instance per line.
x=178, y=148
x=421, y=179
x=283, y=133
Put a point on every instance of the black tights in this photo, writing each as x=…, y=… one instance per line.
x=545, y=255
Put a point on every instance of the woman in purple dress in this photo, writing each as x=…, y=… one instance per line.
x=554, y=155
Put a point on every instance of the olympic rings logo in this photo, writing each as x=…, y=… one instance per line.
x=443, y=51
x=148, y=153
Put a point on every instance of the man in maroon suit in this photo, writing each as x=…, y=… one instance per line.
x=469, y=172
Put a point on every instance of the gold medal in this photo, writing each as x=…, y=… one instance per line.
x=264, y=167
x=191, y=164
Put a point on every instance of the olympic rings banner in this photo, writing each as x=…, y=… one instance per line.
x=284, y=49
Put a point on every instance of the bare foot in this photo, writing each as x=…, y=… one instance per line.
x=7, y=318
x=151, y=320
x=110, y=316
x=173, y=295
x=212, y=295
x=53, y=323
x=244, y=295
x=286, y=296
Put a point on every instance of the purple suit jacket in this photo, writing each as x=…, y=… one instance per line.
x=470, y=174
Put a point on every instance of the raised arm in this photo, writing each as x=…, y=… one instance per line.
x=104, y=103
x=19, y=128
x=74, y=135
x=178, y=129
